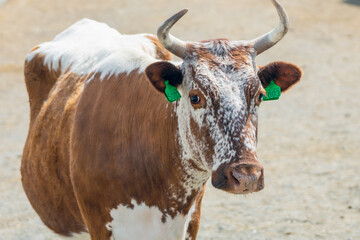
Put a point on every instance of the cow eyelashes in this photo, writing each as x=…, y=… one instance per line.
x=260, y=97
x=197, y=99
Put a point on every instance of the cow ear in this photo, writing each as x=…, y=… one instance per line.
x=159, y=72
x=283, y=74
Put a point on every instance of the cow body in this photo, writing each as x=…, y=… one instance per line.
x=69, y=187
x=108, y=155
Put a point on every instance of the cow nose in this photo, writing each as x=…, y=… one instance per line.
x=245, y=178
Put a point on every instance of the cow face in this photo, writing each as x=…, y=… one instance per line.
x=221, y=74
x=221, y=90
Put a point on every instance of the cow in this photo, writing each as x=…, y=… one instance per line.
x=108, y=157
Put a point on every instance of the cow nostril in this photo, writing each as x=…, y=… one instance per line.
x=246, y=174
x=236, y=175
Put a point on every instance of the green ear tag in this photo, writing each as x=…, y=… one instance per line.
x=171, y=92
x=273, y=92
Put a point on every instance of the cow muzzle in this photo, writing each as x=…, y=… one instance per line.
x=240, y=178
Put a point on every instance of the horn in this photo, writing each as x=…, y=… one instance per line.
x=171, y=43
x=269, y=39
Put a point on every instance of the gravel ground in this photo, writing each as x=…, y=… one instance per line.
x=309, y=141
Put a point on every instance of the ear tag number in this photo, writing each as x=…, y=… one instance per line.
x=171, y=92
x=273, y=92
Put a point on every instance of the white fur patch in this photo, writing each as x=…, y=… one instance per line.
x=92, y=47
x=144, y=222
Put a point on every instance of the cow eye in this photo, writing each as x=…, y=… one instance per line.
x=260, y=97
x=194, y=99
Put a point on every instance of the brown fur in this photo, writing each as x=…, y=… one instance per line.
x=45, y=168
x=239, y=54
x=39, y=81
x=123, y=133
x=195, y=217
x=85, y=143
x=284, y=74
x=161, y=52
x=159, y=72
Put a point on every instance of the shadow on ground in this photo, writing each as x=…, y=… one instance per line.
x=354, y=2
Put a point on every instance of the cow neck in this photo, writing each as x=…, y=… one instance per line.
x=186, y=178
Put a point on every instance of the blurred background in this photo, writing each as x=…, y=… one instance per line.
x=309, y=140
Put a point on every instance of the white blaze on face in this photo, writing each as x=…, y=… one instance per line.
x=144, y=222
x=191, y=147
x=248, y=134
x=228, y=117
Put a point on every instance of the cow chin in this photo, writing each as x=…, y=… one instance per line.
x=239, y=178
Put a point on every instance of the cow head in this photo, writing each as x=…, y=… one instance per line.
x=222, y=88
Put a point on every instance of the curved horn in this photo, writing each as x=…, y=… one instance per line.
x=269, y=39
x=171, y=43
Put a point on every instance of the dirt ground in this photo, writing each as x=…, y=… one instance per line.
x=309, y=140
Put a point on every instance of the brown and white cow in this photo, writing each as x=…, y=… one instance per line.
x=108, y=155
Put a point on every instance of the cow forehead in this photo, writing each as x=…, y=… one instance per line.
x=221, y=64
x=223, y=51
